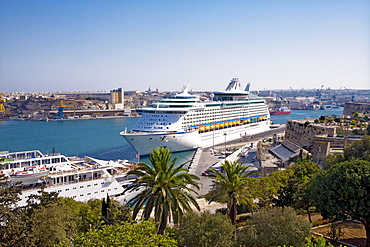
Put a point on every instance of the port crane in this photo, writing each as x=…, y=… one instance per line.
x=62, y=105
x=2, y=101
x=318, y=92
x=352, y=95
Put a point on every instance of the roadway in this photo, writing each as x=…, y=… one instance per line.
x=206, y=157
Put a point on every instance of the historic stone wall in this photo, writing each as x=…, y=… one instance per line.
x=323, y=145
x=303, y=134
x=359, y=107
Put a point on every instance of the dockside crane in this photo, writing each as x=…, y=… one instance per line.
x=2, y=102
x=61, y=107
x=318, y=92
x=352, y=95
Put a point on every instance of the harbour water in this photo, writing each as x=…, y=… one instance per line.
x=97, y=138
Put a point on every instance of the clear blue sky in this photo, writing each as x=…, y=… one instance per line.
x=87, y=45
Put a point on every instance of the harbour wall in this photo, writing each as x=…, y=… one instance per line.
x=360, y=107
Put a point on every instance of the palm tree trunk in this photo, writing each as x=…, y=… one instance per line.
x=232, y=212
x=309, y=214
x=163, y=223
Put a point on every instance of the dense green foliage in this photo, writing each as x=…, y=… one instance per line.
x=343, y=191
x=125, y=234
x=204, y=229
x=274, y=227
x=294, y=193
x=357, y=150
x=165, y=188
x=11, y=224
x=267, y=188
x=233, y=182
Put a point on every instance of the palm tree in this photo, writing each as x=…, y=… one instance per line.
x=165, y=188
x=233, y=183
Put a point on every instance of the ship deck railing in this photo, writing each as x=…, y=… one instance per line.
x=75, y=181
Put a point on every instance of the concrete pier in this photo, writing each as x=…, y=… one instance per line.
x=205, y=158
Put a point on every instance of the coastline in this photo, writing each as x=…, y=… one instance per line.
x=64, y=119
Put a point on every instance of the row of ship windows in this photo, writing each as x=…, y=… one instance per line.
x=88, y=193
x=157, y=115
x=218, y=118
x=252, y=120
x=213, y=111
x=81, y=187
x=153, y=123
x=220, y=112
x=153, y=119
x=151, y=127
x=43, y=161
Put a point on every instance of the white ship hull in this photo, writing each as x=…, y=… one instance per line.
x=144, y=143
x=185, y=122
x=178, y=142
x=77, y=178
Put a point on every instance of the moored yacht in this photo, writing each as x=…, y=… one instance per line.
x=78, y=178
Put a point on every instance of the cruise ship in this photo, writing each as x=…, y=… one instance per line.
x=79, y=178
x=184, y=122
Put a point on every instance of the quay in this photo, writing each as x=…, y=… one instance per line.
x=211, y=157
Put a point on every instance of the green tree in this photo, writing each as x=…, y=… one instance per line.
x=204, y=229
x=294, y=193
x=233, y=183
x=125, y=234
x=266, y=188
x=46, y=221
x=343, y=191
x=357, y=150
x=11, y=222
x=332, y=159
x=317, y=242
x=50, y=224
x=275, y=227
x=165, y=188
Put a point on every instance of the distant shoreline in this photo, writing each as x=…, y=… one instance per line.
x=62, y=119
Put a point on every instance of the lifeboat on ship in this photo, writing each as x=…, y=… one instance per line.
x=29, y=175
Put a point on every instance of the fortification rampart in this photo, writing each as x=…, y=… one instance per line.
x=351, y=107
x=303, y=133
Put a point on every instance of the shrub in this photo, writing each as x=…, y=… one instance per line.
x=274, y=227
x=204, y=229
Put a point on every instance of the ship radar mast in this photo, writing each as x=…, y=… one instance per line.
x=234, y=85
x=185, y=89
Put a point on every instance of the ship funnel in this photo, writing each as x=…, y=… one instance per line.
x=247, y=87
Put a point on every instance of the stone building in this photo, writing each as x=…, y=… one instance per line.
x=318, y=139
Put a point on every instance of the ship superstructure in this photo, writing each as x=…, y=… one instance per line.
x=78, y=178
x=184, y=122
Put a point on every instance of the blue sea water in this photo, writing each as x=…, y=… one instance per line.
x=98, y=138
x=306, y=114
